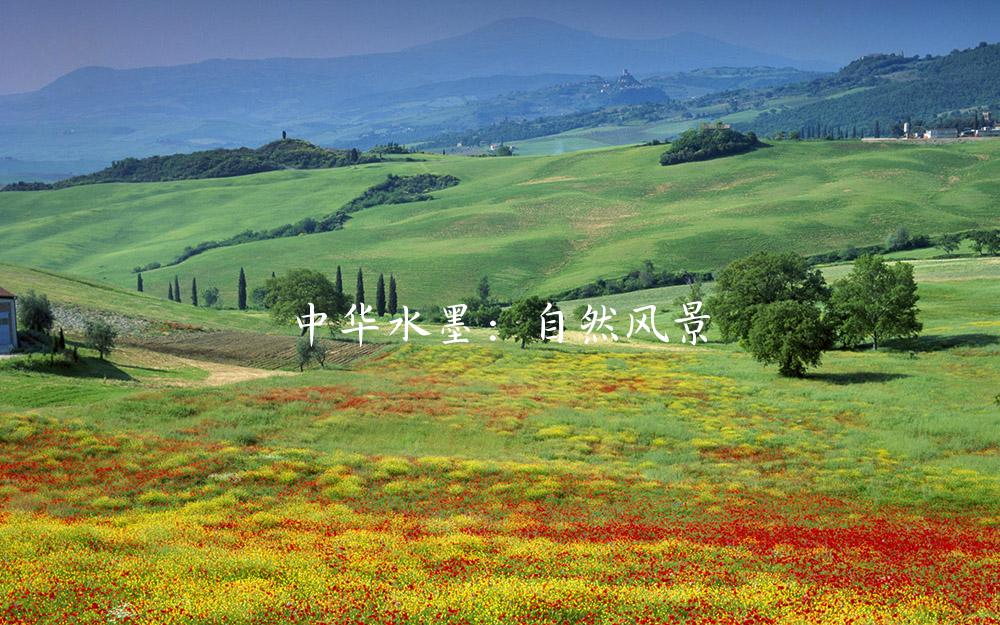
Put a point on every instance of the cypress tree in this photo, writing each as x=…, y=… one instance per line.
x=138, y=283
x=241, y=295
x=392, y=295
x=360, y=294
x=380, y=295
x=177, y=289
x=194, y=291
x=339, y=283
x=62, y=340
x=170, y=291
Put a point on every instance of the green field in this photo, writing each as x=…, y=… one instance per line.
x=534, y=224
x=430, y=483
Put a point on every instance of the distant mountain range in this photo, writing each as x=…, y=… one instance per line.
x=98, y=114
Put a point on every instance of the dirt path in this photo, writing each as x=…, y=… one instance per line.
x=220, y=374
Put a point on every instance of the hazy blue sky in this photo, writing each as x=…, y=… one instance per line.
x=43, y=39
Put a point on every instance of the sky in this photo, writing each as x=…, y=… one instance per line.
x=41, y=40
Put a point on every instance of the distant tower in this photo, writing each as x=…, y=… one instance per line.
x=284, y=135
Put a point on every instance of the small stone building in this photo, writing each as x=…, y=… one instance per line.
x=8, y=322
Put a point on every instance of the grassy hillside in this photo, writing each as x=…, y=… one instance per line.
x=534, y=224
x=92, y=295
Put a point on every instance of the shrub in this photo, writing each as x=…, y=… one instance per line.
x=211, y=297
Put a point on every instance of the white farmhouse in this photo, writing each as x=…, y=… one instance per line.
x=940, y=133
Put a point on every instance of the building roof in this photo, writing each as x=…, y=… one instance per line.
x=5, y=293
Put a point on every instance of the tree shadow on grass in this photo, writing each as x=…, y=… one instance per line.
x=941, y=342
x=857, y=377
x=86, y=368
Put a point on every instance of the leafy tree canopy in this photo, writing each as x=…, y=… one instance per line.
x=876, y=301
x=288, y=296
x=790, y=334
x=101, y=336
x=522, y=321
x=35, y=312
x=758, y=280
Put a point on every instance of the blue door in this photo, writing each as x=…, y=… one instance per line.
x=6, y=329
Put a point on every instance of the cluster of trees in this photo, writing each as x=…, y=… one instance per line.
x=394, y=190
x=482, y=308
x=983, y=242
x=708, y=143
x=36, y=320
x=501, y=150
x=647, y=277
x=221, y=163
x=287, y=297
x=818, y=130
x=210, y=297
x=389, y=148
x=783, y=312
x=21, y=185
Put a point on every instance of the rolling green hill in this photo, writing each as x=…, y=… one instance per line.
x=534, y=224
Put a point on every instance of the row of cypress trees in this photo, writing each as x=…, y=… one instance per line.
x=383, y=303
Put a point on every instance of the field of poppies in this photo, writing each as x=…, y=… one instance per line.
x=488, y=484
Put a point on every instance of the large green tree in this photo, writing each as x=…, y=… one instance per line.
x=790, y=334
x=34, y=312
x=288, y=296
x=522, y=321
x=876, y=301
x=747, y=284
